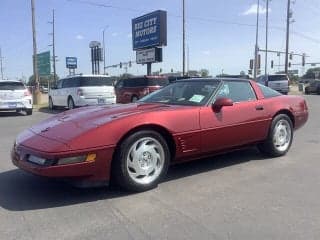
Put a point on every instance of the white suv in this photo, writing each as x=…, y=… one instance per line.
x=14, y=95
x=82, y=90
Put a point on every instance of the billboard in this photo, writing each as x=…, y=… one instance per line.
x=149, y=30
x=43, y=63
x=71, y=62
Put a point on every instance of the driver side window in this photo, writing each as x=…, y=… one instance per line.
x=237, y=91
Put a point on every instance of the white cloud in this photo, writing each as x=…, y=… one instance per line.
x=206, y=52
x=114, y=34
x=79, y=37
x=252, y=10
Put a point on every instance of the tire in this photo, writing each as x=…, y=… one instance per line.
x=71, y=103
x=318, y=90
x=29, y=112
x=51, y=106
x=279, y=138
x=306, y=91
x=134, y=99
x=147, y=168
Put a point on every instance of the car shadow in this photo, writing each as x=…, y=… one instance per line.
x=12, y=114
x=55, y=111
x=21, y=191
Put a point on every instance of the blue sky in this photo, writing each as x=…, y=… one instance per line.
x=220, y=34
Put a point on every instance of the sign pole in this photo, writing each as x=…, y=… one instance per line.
x=149, y=69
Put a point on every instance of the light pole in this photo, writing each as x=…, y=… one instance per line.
x=256, y=46
x=289, y=15
x=104, y=50
x=267, y=29
x=183, y=39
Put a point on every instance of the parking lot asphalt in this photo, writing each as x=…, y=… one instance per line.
x=240, y=195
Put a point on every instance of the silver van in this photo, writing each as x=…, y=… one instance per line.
x=278, y=82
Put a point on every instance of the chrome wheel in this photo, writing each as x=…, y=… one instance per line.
x=282, y=135
x=145, y=160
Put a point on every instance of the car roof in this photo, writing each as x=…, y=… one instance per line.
x=7, y=80
x=214, y=79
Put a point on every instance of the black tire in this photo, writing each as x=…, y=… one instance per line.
x=71, y=103
x=134, y=98
x=268, y=147
x=29, y=112
x=51, y=106
x=306, y=91
x=318, y=90
x=121, y=169
x=18, y=111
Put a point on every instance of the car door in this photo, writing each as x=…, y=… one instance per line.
x=244, y=122
x=56, y=94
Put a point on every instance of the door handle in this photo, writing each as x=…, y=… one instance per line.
x=259, y=108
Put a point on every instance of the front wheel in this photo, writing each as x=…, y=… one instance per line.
x=51, y=106
x=279, y=138
x=29, y=112
x=141, y=161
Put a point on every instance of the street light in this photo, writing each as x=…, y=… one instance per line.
x=256, y=46
x=104, y=50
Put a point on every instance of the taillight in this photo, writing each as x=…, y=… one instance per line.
x=27, y=93
x=80, y=92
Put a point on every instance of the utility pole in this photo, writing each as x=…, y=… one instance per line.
x=35, y=60
x=1, y=67
x=183, y=39
x=53, y=48
x=104, y=50
x=256, y=49
x=289, y=15
x=267, y=29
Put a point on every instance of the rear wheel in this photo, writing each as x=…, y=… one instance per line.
x=141, y=161
x=71, y=103
x=279, y=138
x=29, y=112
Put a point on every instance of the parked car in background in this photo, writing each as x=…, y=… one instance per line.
x=44, y=89
x=14, y=95
x=132, y=89
x=278, y=82
x=312, y=87
x=134, y=144
x=82, y=90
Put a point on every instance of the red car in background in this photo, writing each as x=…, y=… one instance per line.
x=132, y=89
x=134, y=144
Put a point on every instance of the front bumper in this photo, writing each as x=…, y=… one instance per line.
x=96, y=171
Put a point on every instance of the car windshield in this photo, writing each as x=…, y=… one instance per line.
x=192, y=93
x=11, y=86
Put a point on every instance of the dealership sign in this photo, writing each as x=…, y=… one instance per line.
x=149, y=55
x=150, y=30
x=71, y=62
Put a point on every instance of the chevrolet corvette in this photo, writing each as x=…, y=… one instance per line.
x=134, y=144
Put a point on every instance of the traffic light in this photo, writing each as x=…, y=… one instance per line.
x=259, y=62
x=250, y=72
x=289, y=64
x=120, y=64
x=160, y=70
x=290, y=56
x=271, y=63
x=251, y=63
x=130, y=64
x=303, y=59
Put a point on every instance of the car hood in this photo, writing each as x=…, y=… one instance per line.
x=71, y=124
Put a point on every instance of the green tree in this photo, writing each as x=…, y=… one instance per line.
x=43, y=80
x=311, y=73
x=204, y=72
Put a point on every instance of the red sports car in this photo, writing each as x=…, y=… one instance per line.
x=134, y=144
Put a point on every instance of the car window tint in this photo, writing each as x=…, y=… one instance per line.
x=157, y=81
x=59, y=84
x=119, y=84
x=135, y=82
x=268, y=92
x=277, y=78
x=11, y=86
x=237, y=91
x=95, y=81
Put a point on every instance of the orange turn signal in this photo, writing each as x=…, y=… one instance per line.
x=91, y=157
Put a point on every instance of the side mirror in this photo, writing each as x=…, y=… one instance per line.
x=221, y=102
